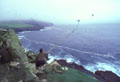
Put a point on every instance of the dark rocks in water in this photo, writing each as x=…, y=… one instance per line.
x=108, y=76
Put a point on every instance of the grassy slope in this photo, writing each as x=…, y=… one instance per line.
x=72, y=75
x=12, y=24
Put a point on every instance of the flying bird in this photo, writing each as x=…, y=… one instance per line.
x=78, y=20
x=92, y=15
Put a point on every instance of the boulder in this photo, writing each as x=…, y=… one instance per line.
x=21, y=72
x=108, y=76
x=31, y=56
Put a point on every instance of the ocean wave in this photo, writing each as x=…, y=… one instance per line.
x=68, y=58
x=24, y=32
x=27, y=49
x=108, y=55
x=104, y=66
x=47, y=28
x=21, y=37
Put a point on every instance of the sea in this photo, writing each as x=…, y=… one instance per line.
x=94, y=46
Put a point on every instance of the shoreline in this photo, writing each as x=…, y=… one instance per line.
x=103, y=76
x=24, y=25
x=18, y=30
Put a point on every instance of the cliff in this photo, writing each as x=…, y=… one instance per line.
x=16, y=65
x=24, y=25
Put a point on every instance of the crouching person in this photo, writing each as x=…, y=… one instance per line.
x=41, y=59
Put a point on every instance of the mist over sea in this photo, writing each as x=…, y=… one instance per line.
x=95, y=46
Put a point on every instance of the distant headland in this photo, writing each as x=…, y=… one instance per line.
x=24, y=25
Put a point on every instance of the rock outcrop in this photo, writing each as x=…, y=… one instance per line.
x=108, y=76
x=14, y=65
x=74, y=65
x=10, y=47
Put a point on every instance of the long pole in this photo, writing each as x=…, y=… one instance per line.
x=64, y=37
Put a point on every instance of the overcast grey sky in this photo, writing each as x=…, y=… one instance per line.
x=61, y=11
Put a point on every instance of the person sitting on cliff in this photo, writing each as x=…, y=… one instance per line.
x=41, y=58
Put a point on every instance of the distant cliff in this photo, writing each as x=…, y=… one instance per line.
x=24, y=25
x=16, y=65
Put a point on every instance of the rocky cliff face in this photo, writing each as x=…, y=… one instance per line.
x=108, y=76
x=16, y=65
x=10, y=47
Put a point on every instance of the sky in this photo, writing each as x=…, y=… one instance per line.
x=61, y=11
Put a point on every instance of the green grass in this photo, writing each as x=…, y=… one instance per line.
x=72, y=75
x=14, y=25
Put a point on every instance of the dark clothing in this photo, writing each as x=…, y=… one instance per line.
x=42, y=56
x=40, y=63
x=41, y=59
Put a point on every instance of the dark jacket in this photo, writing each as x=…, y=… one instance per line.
x=42, y=56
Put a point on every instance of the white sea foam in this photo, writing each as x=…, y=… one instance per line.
x=47, y=28
x=68, y=58
x=104, y=67
x=52, y=58
x=21, y=37
x=27, y=49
